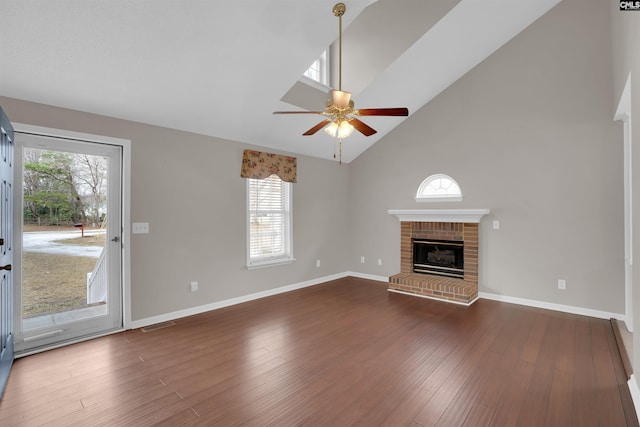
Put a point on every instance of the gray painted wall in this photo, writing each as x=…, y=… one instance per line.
x=528, y=134
x=188, y=187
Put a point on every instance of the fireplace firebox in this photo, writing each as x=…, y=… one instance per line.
x=439, y=257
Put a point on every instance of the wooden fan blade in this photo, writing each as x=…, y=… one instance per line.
x=317, y=127
x=298, y=112
x=362, y=127
x=382, y=112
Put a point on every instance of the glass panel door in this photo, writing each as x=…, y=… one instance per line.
x=71, y=250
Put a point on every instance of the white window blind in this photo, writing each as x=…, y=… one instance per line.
x=269, y=221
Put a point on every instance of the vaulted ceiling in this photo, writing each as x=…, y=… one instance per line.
x=220, y=68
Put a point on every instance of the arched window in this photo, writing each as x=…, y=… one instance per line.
x=439, y=188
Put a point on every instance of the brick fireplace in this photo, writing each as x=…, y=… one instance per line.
x=460, y=225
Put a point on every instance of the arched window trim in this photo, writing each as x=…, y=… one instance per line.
x=455, y=194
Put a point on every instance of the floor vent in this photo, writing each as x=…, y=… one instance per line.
x=157, y=326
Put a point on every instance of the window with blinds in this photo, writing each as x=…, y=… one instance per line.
x=268, y=221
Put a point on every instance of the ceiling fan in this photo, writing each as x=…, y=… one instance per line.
x=340, y=109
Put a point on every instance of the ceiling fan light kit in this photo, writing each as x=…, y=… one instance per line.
x=340, y=131
x=340, y=108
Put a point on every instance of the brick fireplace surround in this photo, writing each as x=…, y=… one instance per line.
x=445, y=225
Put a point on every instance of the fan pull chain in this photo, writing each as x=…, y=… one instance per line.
x=334, y=148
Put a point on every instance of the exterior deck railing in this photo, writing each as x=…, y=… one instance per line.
x=97, y=281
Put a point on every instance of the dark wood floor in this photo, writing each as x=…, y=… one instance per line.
x=343, y=353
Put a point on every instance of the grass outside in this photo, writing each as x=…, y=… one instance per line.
x=55, y=283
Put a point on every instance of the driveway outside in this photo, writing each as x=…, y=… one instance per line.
x=47, y=242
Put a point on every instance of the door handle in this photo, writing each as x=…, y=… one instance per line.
x=1, y=241
x=115, y=239
x=6, y=267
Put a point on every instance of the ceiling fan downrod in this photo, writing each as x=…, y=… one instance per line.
x=338, y=10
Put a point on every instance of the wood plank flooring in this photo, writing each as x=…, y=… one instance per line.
x=346, y=352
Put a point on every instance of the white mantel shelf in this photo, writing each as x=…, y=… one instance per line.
x=440, y=215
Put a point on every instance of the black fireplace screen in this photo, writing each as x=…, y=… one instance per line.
x=441, y=257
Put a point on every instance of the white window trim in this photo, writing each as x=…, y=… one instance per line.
x=324, y=71
x=271, y=263
x=125, y=196
x=440, y=197
x=251, y=265
x=314, y=84
x=426, y=199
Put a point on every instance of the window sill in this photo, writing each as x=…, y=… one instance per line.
x=439, y=199
x=314, y=84
x=270, y=263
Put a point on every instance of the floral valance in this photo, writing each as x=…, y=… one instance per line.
x=259, y=165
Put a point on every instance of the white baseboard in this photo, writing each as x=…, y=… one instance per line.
x=635, y=393
x=551, y=306
x=233, y=301
x=628, y=323
x=367, y=276
x=245, y=298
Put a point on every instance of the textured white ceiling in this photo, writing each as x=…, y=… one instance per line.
x=220, y=68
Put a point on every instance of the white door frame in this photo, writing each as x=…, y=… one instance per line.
x=125, y=144
x=623, y=113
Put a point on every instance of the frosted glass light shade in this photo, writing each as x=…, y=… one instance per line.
x=342, y=130
x=341, y=99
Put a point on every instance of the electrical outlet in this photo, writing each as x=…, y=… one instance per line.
x=562, y=284
x=317, y=263
x=361, y=260
x=379, y=261
x=496, y=224
x=193, y=286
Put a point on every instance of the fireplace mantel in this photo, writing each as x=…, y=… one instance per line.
x=439, y=215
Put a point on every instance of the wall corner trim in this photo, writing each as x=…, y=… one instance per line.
x=552, y=306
